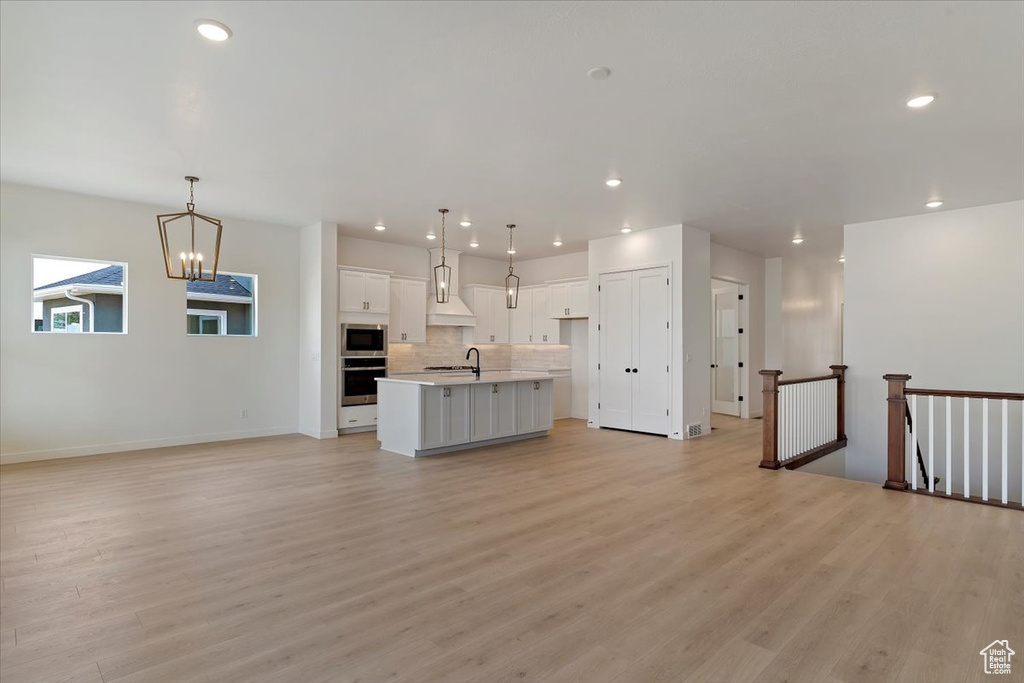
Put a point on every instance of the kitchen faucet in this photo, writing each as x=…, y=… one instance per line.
x=476, y=370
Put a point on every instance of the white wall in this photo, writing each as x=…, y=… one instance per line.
x=939, y=297
x=415, y=261
x=540, y=270
x=318, y=336
x=65, y=395
x=749, y=269
x=687, y=252
x=803, y=315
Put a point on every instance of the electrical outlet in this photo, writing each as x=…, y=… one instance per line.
x=244, y=414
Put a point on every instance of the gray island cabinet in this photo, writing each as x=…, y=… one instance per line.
x=429, y=414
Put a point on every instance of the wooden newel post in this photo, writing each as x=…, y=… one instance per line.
x=840, y=372
x=897, y=475
x=770, y=424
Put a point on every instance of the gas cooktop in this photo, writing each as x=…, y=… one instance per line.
x=450, y=367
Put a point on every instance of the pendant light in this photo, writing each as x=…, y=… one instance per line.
x=442, y=273
x=190, y=232
x=512, y=280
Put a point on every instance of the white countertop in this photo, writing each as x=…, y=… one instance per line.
x=486, y=377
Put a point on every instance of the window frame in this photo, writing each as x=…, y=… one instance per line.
x=211, y=311
x=222, y=322
x=64, y=310
x=106, y=262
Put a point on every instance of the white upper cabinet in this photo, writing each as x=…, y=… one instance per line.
x=521, y=318
x=361, y=291
x=377, y=288
x=408, y=321
x=492, y=316
x=529, y=321
x=569, y=299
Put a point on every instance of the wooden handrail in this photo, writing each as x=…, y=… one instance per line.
x=770, y=424
x=954, y=393
x=804, y=380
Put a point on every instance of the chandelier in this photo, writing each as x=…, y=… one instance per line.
x=442, y=273
x=511, y=280
x=191, y=233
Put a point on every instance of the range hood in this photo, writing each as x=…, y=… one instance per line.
x=455, y=313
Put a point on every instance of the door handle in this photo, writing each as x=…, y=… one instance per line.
x=627, y=369
x=634, y=369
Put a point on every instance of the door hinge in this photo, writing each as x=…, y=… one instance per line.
x=741, y=330
x=599, y=406
x=741, y=364
x=599, y=327
x=666, y=411
x=599, y=288
x=740, y=297
x=666, y=324
x=598, y=366
x=741, y=398
x=666, y=368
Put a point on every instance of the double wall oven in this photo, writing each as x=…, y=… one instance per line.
x=364, y=350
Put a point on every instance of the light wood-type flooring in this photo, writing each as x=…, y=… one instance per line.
x=588, y=556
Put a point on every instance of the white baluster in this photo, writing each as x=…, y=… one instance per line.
x=913, y=441
x=1006, y=407
x=931, y=444
x=984, y=449
x=783, y=416
x=967, y=447
x=949, y=446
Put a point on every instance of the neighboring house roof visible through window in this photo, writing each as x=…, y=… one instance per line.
x=223, y=286
x=111, y=275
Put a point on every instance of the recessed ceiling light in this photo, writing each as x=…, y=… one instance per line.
x=625, y=230
x=599, y=73
x=465, y=224
x=842, y=259
x=380, y=227
x=934, y=203
x=431, y=236
x=798, y=240
x=213, y=30
x=613, y=182
x=920, y=101
x=474, y=244
x=557, y=243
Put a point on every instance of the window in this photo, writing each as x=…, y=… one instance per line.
x=78, y=296
x=207, y=322
x=66, y=319
x=223, y=308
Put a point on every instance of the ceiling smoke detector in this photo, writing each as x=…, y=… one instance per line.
x=599, y=73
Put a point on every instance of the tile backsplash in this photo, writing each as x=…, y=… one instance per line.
x=445, y=347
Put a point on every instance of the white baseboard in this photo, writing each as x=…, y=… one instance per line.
x=99, y=449
x=320, y=434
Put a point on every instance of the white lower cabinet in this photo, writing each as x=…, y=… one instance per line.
x=446, y=416
x=534, y=406
x=494, y=410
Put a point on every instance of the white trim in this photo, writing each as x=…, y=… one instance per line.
x=222, y=298
x=100, y=449
x=60, y=292
x=584, y=278
x=360, y=269
x=222, y=325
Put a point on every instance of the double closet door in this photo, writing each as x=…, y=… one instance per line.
x=634, y=353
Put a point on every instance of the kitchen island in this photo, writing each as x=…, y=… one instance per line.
x=429, y=414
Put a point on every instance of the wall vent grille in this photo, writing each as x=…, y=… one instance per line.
x=693, y=430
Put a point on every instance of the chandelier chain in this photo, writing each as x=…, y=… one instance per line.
x=510, y=250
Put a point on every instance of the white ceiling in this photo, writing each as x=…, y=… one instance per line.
x=752, y=121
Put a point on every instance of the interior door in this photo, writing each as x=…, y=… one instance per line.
x=725, y=347
x=615, y=350
x=651, y=344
